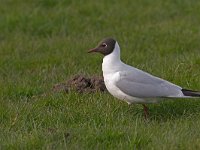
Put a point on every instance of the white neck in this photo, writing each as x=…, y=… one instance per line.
x=114, y=56
x=112, y=62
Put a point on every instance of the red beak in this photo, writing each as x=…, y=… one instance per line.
x=93, y=50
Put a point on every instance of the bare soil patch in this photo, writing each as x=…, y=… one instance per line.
x=81, y=84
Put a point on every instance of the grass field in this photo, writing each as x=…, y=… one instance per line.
x=44, y=42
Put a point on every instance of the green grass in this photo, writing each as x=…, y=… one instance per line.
x=44, y=42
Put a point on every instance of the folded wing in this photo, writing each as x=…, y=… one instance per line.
x=140, y=84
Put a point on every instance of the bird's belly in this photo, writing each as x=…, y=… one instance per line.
x=116, y=92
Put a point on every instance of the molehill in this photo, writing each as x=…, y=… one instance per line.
x=81, y=84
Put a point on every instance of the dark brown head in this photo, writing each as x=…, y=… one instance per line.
x=105, y=47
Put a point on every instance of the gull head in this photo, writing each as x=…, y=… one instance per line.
x=105, y=47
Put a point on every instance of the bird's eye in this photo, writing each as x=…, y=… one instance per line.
x=104, y=45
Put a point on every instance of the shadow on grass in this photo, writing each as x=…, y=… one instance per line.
x=171, y=109
x=167, y=110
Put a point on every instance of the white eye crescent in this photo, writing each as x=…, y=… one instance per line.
x=104, y=45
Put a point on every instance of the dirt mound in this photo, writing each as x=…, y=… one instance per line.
x=81, y=84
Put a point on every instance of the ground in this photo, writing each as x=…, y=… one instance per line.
x=45, y=42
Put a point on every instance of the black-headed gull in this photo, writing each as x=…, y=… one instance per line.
x=131, y=84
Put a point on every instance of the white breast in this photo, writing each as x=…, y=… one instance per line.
x=110, y=80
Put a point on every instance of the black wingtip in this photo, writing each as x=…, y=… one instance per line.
x=191, y=93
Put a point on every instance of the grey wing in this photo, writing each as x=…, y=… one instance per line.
x=143, y=85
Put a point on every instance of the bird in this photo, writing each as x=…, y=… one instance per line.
x=132, y=85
